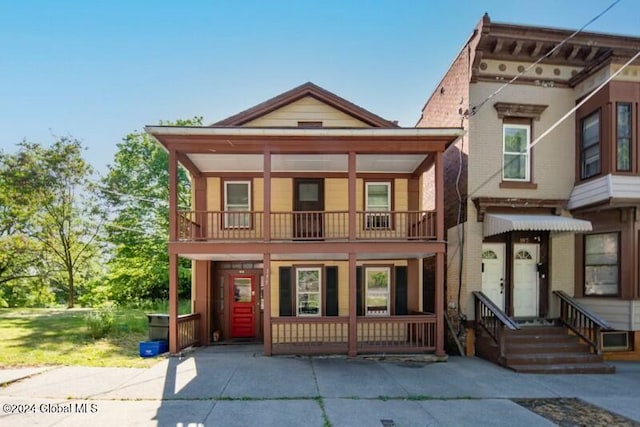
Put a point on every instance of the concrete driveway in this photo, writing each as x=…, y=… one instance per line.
x=237, y=386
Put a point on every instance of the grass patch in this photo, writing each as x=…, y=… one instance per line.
x=41, y=337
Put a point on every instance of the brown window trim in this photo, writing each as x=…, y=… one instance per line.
x=223, y=181
x=392, y=197
x=524, y=185
x=631, y=135
x=581, y=150
x=584, y=265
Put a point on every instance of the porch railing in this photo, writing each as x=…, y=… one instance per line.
x=325, y=335
x=188, y=330
x=492, y=320
x=396, y=334
x=581, y=321
x=305, y=225
x=305, y=335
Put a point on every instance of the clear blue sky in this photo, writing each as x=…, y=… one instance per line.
x=97, y=70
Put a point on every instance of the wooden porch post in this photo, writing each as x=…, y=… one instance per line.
x=173, y=303
x=353, y=307
x=202, y=302
x=266, y=258
x=173, y=258
x=266, y=335
x=266, y=219
x=440, y=259
x=353, y=293
x=352, y=196
x=200, y=205
x=439, y=303
x=439, y=172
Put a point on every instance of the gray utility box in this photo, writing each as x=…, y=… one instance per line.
x=158, y=327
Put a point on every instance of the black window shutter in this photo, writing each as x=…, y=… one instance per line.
x=331, y=291
x=401, y=291
x=286, y=291
x=359, y=305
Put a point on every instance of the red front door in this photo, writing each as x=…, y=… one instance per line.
x=242, y=307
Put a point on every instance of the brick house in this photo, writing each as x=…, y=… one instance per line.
x=544, y=235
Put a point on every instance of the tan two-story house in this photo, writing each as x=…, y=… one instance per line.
x=308, y=231
x=542, y=235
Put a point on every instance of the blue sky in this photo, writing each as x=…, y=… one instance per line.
x=98, y=70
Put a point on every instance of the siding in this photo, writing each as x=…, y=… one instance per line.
x=306, y=109
x=553, y=157
x=623, y=315
x=590, y=192
x=343, y=281
x=561, y=269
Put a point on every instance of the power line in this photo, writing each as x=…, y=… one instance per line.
x=475, y=109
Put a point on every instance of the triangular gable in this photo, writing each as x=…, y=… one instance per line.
x=308, y=94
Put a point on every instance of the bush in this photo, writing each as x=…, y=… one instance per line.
x=102, y=321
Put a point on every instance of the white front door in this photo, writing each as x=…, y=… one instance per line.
x=525, y=280
x=493, y=272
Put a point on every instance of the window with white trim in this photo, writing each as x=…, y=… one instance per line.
x=516, y=156
x=237, y=201
x=377, y=291
x=378, y=205
x=308, y=291
x=601, y=264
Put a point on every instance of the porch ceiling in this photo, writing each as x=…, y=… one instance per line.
x=371, y=163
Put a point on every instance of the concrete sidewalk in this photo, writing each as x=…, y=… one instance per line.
x=237, y=386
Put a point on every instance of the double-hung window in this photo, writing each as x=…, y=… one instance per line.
x=590, y=146
x=516, y=156
x=378, y=205
x=308, y=291
x=601, y=264
x=377, y=291
x=623, y=136
x=237, y=204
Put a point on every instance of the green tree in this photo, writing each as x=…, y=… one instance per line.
x=136, y=188
x=49, y=192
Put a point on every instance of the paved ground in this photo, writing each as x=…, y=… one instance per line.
x=237, y=386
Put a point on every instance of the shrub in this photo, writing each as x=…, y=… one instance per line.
x=101, y=321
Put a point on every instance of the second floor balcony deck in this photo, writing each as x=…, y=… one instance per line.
x=194, y=226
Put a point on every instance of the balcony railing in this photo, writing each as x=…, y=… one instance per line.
x=306, y=225
x=188, y=330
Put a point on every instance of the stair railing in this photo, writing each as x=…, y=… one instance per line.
x=581, y=321
x=492, y=320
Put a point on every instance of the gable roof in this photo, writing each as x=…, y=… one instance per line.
x=297, y=93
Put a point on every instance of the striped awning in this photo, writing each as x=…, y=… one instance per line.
x=504, y=223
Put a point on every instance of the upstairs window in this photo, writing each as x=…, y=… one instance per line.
x=590, y=146
x=378, y=205
x=516, y=158
x=237, y=204
x=623, y=137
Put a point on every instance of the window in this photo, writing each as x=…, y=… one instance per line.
x=377, y=284
x=601, y=264
x=308, y=295
x=516, y=156
x=623, y=141
x=237, y=200
x=378, y=205
x=590, y=146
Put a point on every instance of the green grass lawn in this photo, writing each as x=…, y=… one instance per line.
x=40, y=337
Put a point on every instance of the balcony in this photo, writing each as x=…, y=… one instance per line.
x=220, y=226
